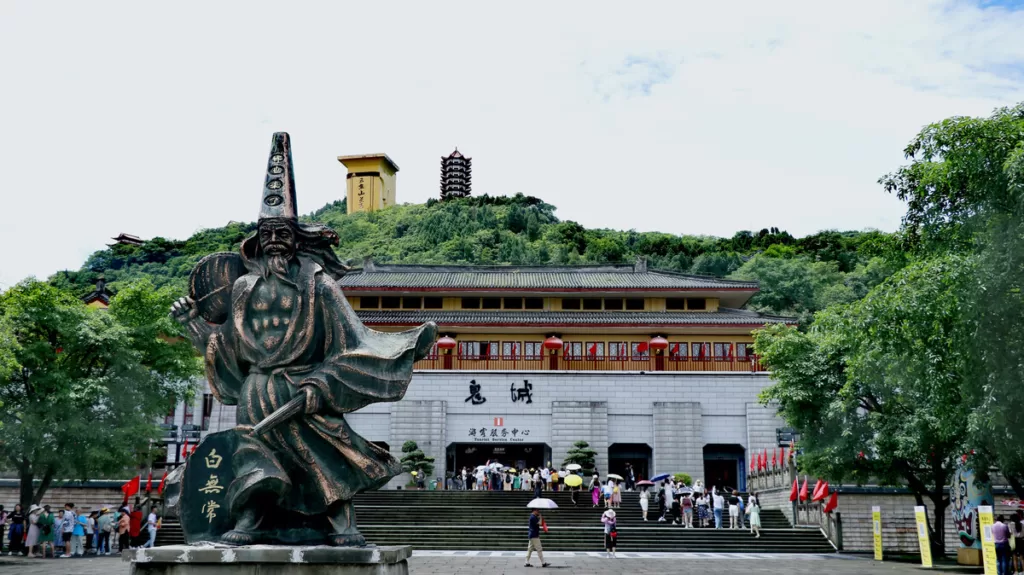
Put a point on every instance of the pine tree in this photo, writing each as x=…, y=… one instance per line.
x=581, y=454
x=413, y=459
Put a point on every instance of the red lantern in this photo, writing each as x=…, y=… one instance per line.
x=553, y=343
x=446, y=343
x=658, y=343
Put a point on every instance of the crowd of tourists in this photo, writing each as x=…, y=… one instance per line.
x=68, y=532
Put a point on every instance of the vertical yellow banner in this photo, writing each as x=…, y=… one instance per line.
x=876, y=528
x=988, y=545
x=922, y=536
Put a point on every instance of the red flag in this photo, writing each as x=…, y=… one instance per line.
x=700, y=348
x=729, y=351
x=149, y=483
x=592, y=350
x=814, y=492
x=641, y=347
x=775, y=458
x=764, y=458
x=184, y=449
x=675, y=349
x=822, y=493
x=751, y=464
x=160, y=488
x=132, y=487
x=803, y=490
x=833, y=502
x=782, y=457
x=794, y=494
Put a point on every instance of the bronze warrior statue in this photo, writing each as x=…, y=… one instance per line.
x=282, y=343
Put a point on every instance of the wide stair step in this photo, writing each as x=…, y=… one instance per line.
x=496, y=521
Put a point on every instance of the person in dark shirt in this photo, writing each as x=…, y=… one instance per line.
x=534, y=536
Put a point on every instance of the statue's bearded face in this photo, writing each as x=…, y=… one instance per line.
x=277, y=238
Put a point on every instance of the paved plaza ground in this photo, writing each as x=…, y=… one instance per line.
x=498, y=563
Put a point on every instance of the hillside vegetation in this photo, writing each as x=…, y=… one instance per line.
x=798, y=275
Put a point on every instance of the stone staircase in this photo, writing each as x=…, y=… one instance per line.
x=496, y=521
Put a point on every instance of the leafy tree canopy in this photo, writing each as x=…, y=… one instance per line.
x=413, y=459
x=581, y=454
x=81, y=387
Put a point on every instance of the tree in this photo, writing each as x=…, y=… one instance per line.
x=413, y=459
x=581, y=454
x=875, y=387
x=88, y=384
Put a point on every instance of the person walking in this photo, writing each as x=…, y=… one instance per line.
x=743, y=510
x=718, y=505
x=32, y=539
x=616, y=495
x=517, y=482
x=67, y=527
x=734, y=509
x=534, y=538
x=1001, y=537
x=124, y=525
x=687, y=504
x=554, y=479
x=630, y=477
x=90, y=532
x=527, y=480
x=754, y=509
x=46, y=533
x=537, y=486
x=667, y=496
x=58, y=532
x=545, y=477
x=595, y=490
x=78, y=536
x=16, y=533
x=703, y=513
x=645, y=500
x=151, y=528
x=104, y=526
x=610, y=532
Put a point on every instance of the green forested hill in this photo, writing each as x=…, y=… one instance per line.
x=798, y=275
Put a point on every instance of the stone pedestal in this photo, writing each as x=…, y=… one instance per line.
x=968, y=556
x=268, y=560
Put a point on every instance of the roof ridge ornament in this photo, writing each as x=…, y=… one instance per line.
x=640, y=266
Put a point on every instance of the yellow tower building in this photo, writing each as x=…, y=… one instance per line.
x=370, y=183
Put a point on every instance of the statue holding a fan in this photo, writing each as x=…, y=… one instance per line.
x=282, y=343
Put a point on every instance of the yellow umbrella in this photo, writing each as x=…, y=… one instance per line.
x=574, y=481
x=511, y=470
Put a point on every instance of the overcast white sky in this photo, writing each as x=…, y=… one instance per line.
x=702, y=118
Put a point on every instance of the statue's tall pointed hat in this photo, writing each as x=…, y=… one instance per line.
x=279, y=187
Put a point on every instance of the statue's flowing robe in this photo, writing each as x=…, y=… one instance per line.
x=309, y=462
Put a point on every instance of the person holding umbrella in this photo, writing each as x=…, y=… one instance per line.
x=610, y=532
x=535, y=525
x=573, y=482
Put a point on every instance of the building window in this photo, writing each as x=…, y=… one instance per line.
x=390, y=302
x=491, y=303
x=613, y=304
x=696, y=303
x=369, y=302
x=723, y=350
x=700, y=350
x=617, y=350
x=635, y=304
x=433, y=303
x=513, y=303
x=190, y=413
x=412, y=302
x=533, y=349
x=169, y=418
x=677, y=351
x=533, y=303
x=571, y=303
x=592, y=304
x=207, y=410
x=478, y=349
x=573, y=350
x=470, y=303
x=744, y=350
x=640, y=350
x=511, y=349
x=675, y=304
x=595, y=349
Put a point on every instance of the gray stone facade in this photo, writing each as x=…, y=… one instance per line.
x=675, y=414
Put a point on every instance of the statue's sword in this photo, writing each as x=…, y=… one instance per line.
x=294, y=407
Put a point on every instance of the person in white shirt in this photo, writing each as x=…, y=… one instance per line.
x=151, y=527
x=719, y=505
x=667, y=495
x=545, y=476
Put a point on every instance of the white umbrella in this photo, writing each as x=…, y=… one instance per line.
x=541, y=503
x=574, y=467
x=614, y=476
x=496, y=465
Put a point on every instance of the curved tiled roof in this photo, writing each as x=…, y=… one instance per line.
x=722, y=317
x=539, y=278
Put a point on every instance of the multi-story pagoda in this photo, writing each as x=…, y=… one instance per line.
x=456, y=176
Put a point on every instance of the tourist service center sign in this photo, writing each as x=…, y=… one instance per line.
x=498, y=432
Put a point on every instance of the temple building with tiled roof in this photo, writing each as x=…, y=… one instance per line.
x=650, y=367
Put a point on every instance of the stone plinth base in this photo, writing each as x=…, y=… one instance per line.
x=268, y=560
x=968, y=556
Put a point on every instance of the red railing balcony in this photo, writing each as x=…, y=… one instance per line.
x=750, y=363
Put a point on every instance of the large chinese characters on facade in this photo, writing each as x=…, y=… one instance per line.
x=281, y=342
